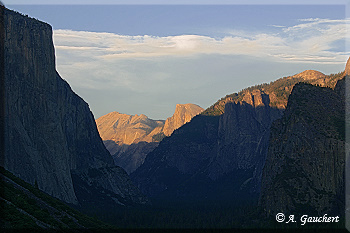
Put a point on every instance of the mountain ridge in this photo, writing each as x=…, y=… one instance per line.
x=129, y=138
x=278, y=90
x=228, y=139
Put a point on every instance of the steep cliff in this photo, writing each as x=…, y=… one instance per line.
x=183, y=114
x=221, y=152
x=243, y=135
x=205, y=155
x=50, y=131
x=278, y=91
x=304, y=169
x=347, y=68
x=129, y=138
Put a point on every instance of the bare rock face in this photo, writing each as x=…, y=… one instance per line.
x=50, y=131
x=310, y=74
x=183, y=114
x=129, y=138
x=243, y=132
x=347, y=67
x=256, y=98
x=304, y=169
x=126, y=129
x=207, y=154
x=224, y=148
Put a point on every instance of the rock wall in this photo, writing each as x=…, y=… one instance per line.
x=126, y=129
x=49, y=130
x=243, y=133
x=183, y=114
x=223, y=149
x=211, y=151
x=129, y=138
x=304, y=169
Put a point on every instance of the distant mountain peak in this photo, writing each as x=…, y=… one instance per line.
x=183, y=114
x=129, y=138
x=309, y=75
x=127, y=129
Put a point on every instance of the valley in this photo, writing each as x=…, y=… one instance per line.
x=277, y=147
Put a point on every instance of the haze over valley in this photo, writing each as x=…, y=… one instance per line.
x=132, y=117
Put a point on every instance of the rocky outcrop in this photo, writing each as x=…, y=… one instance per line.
x=50, y=131
x=126, y=129
x=309, y=75
x=278, y=91
x=243, y=135
x=211, y=151
x=129, y=138
x=168, y=169
x=130, y=157
x=224, y=148
x=304, y=169
x=183, y=114
x=347, y=67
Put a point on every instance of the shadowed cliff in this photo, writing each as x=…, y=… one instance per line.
x=305, y=165
x=50, y=132
x=221, y=153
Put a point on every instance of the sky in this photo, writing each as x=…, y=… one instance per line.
x=145, y=59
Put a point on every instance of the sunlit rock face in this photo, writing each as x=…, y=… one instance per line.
x=129, y=138
x=183, y=114
x=225, y=147
x=225, y=152
x=347, y=67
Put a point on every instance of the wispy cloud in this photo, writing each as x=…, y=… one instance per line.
x=115, y=72
x=311, y=39
x=277, y=26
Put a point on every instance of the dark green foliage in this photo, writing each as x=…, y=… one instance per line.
x=184, y=215
x=19, y=199
x=41, y=206
x=13, y=218
x=69, y=222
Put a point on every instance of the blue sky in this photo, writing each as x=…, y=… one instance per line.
x=145, y=59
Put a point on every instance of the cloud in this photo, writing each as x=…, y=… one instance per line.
x=141, y=64
x=310, y=38
x=277, y=26
x=122, y=73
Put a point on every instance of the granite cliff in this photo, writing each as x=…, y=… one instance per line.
x=305, y=164
x=127, y=129
x=221, y=152
x=129, y=138
x=183, y=114
x=200, y=159
x=50, y=134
